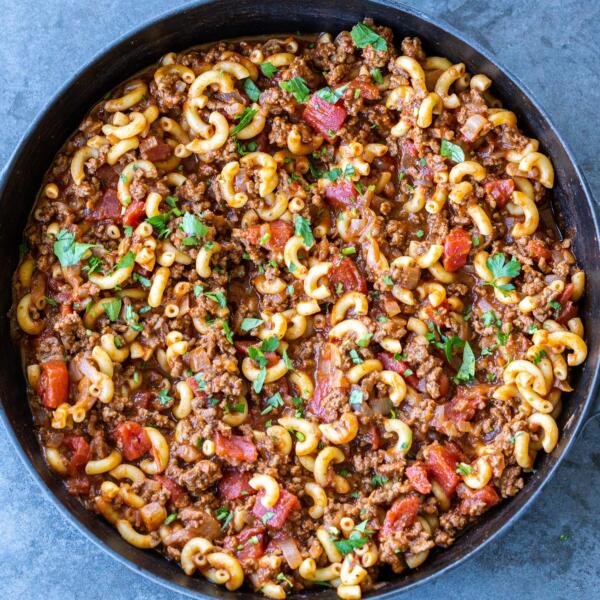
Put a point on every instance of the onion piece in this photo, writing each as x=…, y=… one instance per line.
x=290, y=552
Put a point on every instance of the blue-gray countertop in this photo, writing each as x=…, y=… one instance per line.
x=552, y=552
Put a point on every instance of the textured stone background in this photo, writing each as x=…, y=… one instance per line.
x=552, y=553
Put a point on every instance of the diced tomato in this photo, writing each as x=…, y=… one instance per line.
x=417, y=476
x=441, y=464
x=368, y=90
x=79, y=485
x=80, y=453
x=500, y=190
x=159, y=151
x=276, y=516
x=107, y=175
x=402, y=514
x=408, y=154
x=341, y=194
x=568, y=310
x=391, y=364
x=328, y=377
x=456, y=249
x=477, y=501
x=346, y=272
x=177, y=495
x=274, y=234
x=108, y=207
x=234, y=485
x=135, y=214
x=53, y=386
x=134, y=439
x=325, y=117
x=253, y=541
x=235, y=448
x=538, y=250
x=374, y=436
x=466, y=401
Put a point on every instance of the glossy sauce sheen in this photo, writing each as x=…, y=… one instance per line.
x=358, y=256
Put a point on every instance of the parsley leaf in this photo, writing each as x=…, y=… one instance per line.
x=126, y=261
x=260, y=380
x=464, y=469
x=356, y=396
x=170, y=518
x=251, y=90
x=223, y=514
x=244, y=120
x=348, y=250
x=227, y=332
x=330, y=95
x=270, y=344
x=500, y=268
x=363, y=35
x=113, y=308
x=141, y=279
x=163, y=396
x=192, y=226
x=333, y=174
x=452, y=151
x=297, y=87
x=218, y=297
x=377, y=76
x=94, y=265
x=379, y=480
x=303, y=229
x=159, y=224
x=357, y=359
x=275, y=401
x=467, y=368
x=248, y=324
x=355, y=540
x=67, y=250
x=268, y=70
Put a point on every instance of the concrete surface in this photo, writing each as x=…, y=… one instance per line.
x=552, y=553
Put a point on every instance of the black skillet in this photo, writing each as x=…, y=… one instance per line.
x=211, y=21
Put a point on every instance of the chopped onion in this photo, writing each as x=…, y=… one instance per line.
x=290, y=552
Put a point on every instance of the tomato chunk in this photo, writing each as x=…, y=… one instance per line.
x=178, y=496
x=234, y=485
x=135, y=214
x=325, y=117
x=568, y=310
x=253, y=541
x=500, y=190
x=402, y=514
x=538, y=250
x=456, y=249
x=346, y=272
x=474, y=502
x=368, y=90
x=417, y=476
x=272, y=236
x=341, y=194
x=80, y=453
x=399, y=366
x=276, y=516
x=235, y=448
x=53, y=386
x=108, y=207
x=441, y=465
x=134, y=440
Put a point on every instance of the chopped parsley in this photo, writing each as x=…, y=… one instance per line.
x=225, y=515
x=170, y=518
x=364, y=341
x=273, y=402
x=358, y=537
x=348, y=250
x=244, y=149
x=251, y=90
x=297, y=87
x=363, y=35
x=94, y=265
x=163, y=396
x=452, y=151
x=303, y=229
x=192, y=227
x=500, y=269
x=244, y=120
x=248, y=324
x=377, y=76
x=357, y=359
x=446, y=344
x=268, y=70
x=141, y=279
x=267, y=517
x=159, y=224
x=466, y=372
x=227, y=332
x=556, y=306
x=464, y=469
x=379, y=480
x=113, y=308
x=356, y=396
x=537, y=359
x=67, y=250
x=218, y=297
x=330, y=95
x=388, y=280
x=419, y=233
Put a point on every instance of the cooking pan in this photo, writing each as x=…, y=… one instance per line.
x=215, y=20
